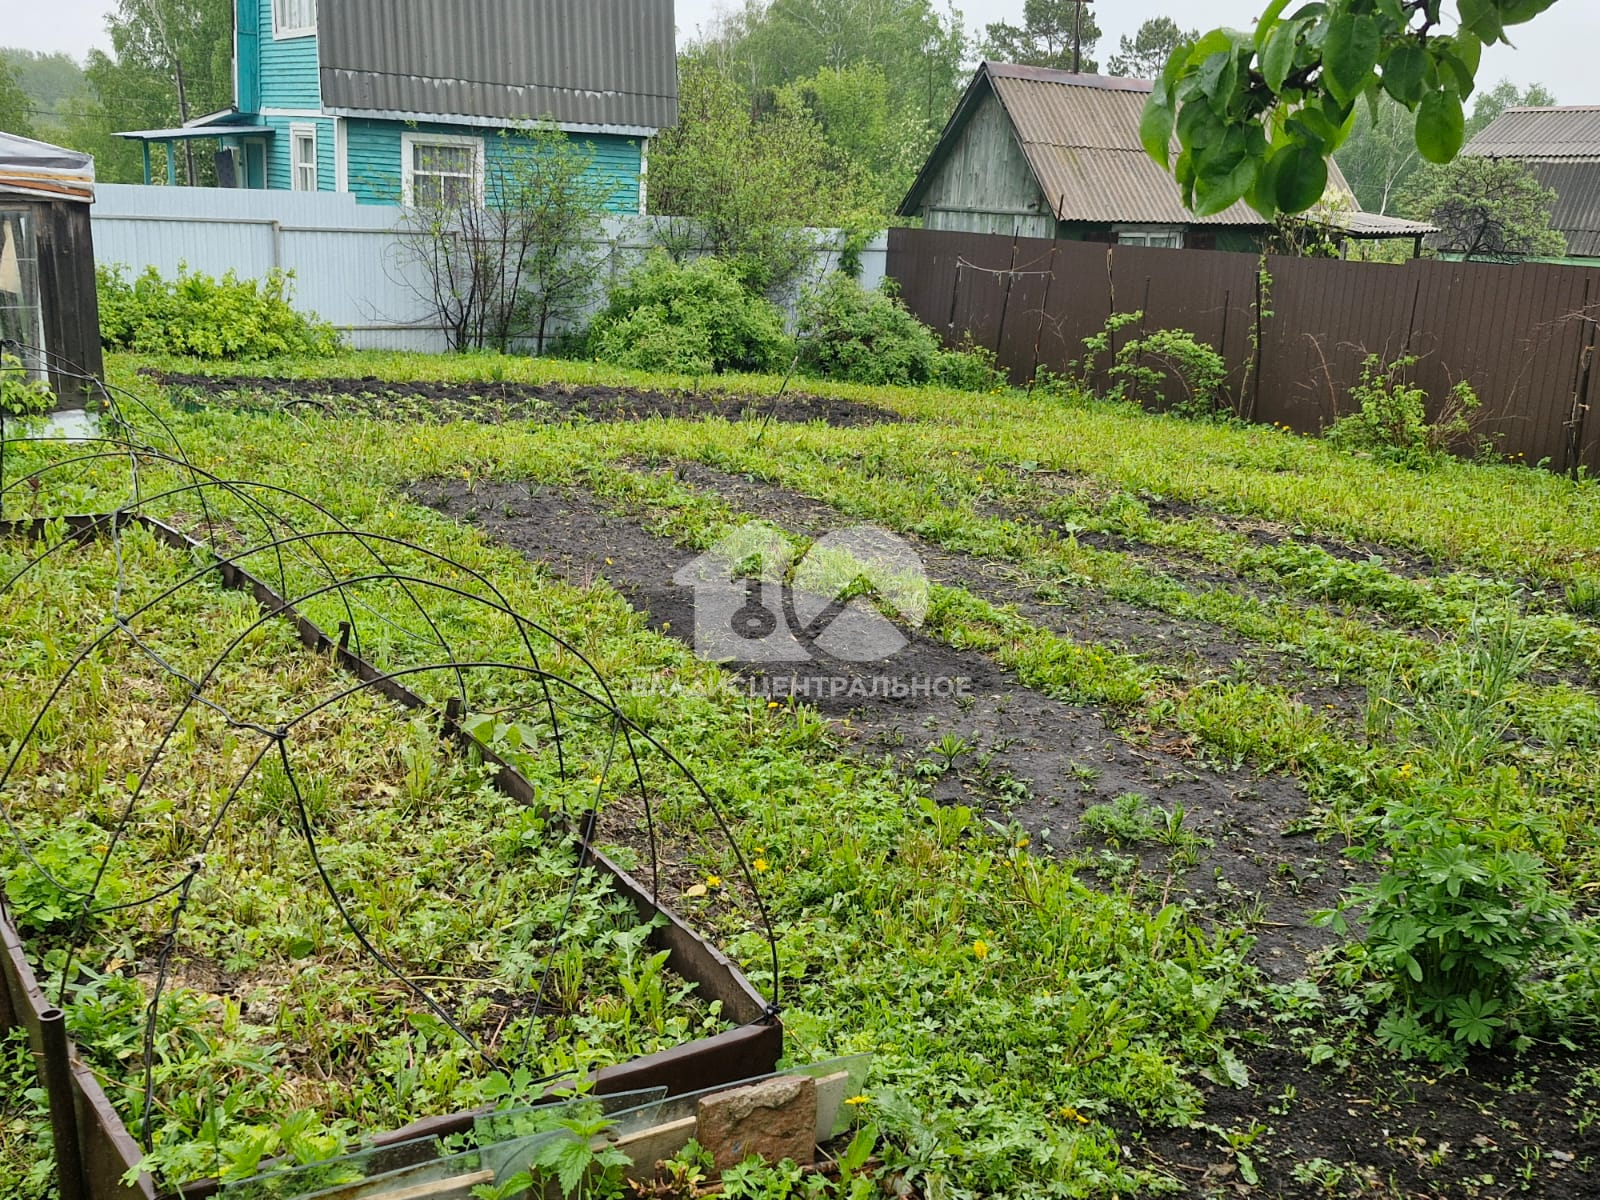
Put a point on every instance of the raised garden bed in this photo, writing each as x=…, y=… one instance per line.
x=474, y=902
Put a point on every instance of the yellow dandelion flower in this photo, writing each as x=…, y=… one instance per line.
x=980, y=949
x=858, y=1101
x=713, y=881
x=761, y=864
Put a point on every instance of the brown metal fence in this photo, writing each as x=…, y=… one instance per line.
x=1294, y=335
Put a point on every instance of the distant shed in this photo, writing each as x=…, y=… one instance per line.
x=49, y=314
x=1039, y=153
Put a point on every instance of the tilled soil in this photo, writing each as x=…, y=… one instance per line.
x=1195, y=650
x=1377, y=1127
x=1503, y=1126
x=491, y=402
x=1034, y=761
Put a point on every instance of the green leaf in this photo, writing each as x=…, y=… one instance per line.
x=1264, y=25
x=1458, y=59
x=1299, y=176
x=1482, y=17
x=1247, y=1169
x=1219, y=76
x=1199, y=128
x=1350, y=53
x=861, y=1148
x=1405, y=74
x=1515, y=12
x=1278, y=58
x=1441, y=126
x=1155, y=126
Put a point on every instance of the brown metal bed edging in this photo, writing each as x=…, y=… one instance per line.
x=107, y=1153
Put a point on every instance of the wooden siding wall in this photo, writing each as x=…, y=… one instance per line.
x=290, y=76
x=375, y=158
x=983, y=172
x=1523, y=336
x=291, y=82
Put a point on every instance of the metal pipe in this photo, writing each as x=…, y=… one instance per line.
x=63, y=1108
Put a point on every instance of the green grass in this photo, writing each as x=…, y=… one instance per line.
x=1017, y=1016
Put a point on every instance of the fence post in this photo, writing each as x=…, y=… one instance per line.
x=1577, y=418
x=1044, y=311
x=63, y=1109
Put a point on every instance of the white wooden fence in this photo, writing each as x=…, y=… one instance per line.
x=347, y=258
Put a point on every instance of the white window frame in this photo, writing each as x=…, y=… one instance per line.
x=1161, y=237
x=341, y=155
x=408, y=157
x=286, y=12
x=298, y=134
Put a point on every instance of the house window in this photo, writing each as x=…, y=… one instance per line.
x=1166, y=239
x=294, y=18
x=303, y=151
x=439, y=170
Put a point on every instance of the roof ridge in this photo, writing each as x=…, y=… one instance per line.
x=1104, y=83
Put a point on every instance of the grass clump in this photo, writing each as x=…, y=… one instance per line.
x=206, y=317
x=27, y=1171
x=691, y=318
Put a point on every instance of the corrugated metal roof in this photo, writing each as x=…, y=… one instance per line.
x=592, y=63
x=1081, y=135
x=1373, y=225
x=1577, y=208
x=1545, y=133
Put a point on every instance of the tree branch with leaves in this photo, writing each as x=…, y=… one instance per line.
x=1256, y=115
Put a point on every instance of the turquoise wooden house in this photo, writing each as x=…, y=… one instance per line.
x=395, y=101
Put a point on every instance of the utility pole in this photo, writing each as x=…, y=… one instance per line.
x=1077, y=36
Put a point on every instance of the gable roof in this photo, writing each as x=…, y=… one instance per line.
x=603, y=66
x=1080, y=135
x=1546, y=134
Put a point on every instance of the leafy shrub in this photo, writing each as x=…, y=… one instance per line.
x=206, y=317
x=1455, y=927
x=848, y=332
x=692, y=318
x=969, y=368
x=1143, y=366
x=1391, y=421
x=867, y=336
x=21, y=396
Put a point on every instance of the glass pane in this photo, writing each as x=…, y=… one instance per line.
x=447, y=160
x=21, y=307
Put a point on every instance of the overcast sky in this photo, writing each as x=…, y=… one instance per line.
x=1557, y=49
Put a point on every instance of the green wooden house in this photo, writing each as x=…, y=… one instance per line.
x=401, y=100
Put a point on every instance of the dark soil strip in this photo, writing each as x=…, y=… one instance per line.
x=1409, y=564
x=1197, y=650
x=1506, y=1126
x=491, y=402
x=1033, y=760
